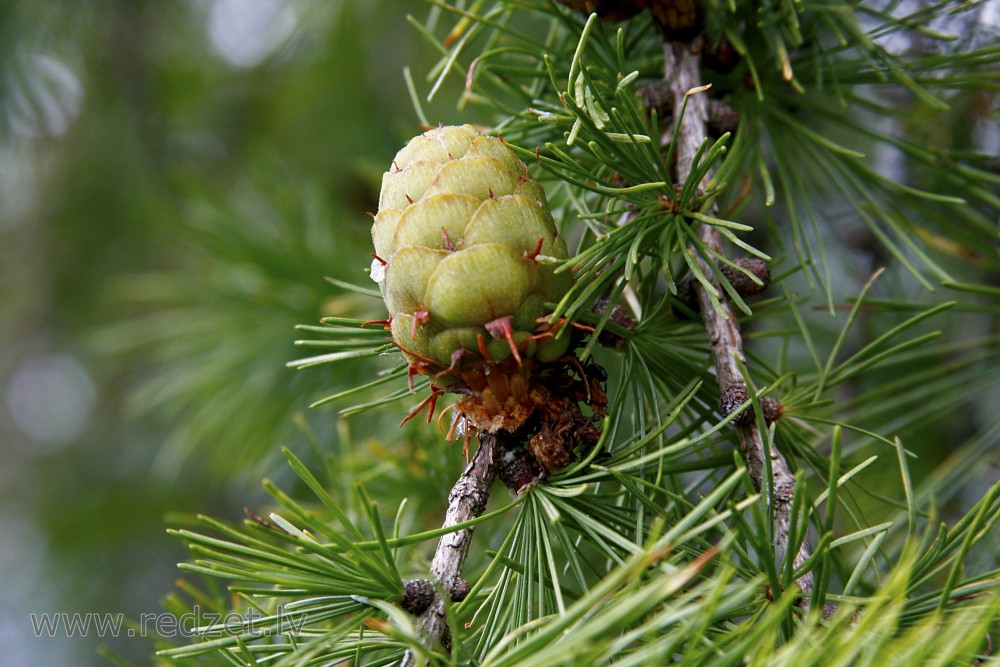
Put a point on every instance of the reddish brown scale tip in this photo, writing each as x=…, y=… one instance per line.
x=420, y=317
x=447, y=240
x=481, y=344
x=502, y=328
x=380, y=260
x=455, y=358
x=425, y=362
x=408, y=198
x=370, y=214
x=433, y=404
x=385, y=323
x=491, y=193
x=421, y=366
x=454, y=425
x=582, y=327
x=396, y=166
x=411, y=370
x=533, y=255
x=428, y=402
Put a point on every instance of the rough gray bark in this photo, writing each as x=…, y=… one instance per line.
x=466, y=501
x=682, y=74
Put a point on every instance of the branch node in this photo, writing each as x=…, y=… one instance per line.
x=518, y=469
x=619, y=316
x=741, y=282
x=417, y=596
x=682, y=67
x=460, y=590
x=733, y=397
x=466, y=501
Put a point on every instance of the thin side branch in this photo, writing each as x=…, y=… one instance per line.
x=466, y=501
x=682, y=73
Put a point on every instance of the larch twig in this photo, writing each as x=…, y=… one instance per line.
x=466, y=501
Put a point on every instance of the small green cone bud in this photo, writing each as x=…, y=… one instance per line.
x=457, y=238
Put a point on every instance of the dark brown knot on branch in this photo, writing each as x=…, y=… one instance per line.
x=743, y=284
x=417, y=596
x=619, y=316
x=518, y=469
x=736, y=395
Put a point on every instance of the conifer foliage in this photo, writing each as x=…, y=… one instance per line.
x=709, y=307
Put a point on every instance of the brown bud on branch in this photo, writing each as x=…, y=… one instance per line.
x=620, y=317
x=741, y=282
x=417, y=596
x=736, y=395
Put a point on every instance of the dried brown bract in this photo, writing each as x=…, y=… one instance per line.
x=553, y=408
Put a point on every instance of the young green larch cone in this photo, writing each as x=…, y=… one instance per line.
x=461, y=237
x=458, y=236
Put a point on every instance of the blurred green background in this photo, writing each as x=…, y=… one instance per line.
x=176, y=179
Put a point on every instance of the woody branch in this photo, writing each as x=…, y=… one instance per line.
x=466, y=501
x=682, y=75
